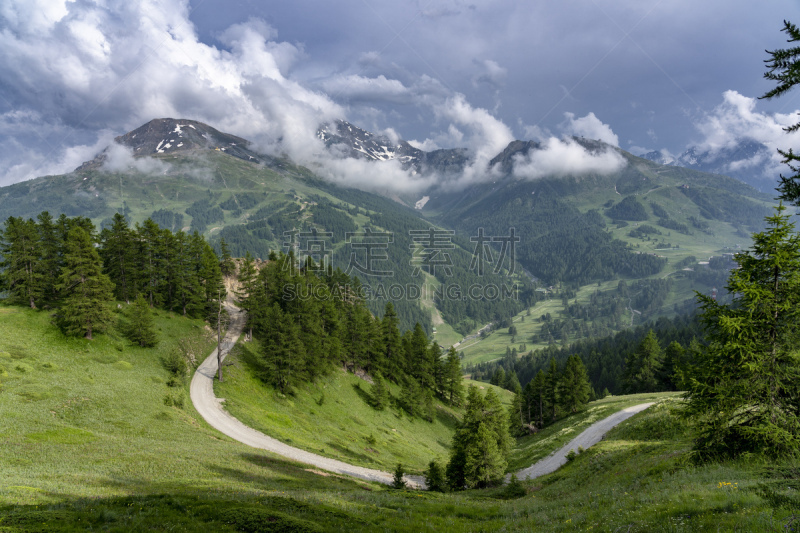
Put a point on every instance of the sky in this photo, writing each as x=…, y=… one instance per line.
x=641, y=75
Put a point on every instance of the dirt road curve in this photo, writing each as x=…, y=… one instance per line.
x=210, y=408
x=208, y=405
x=590, y=436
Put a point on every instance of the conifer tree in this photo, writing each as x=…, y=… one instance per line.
x=23, y=268
x=393, y=356
x=674, y=357
x=574, y=387
x=643, y=366
x=379, y=393
x=51, y=250
x=743, y=392
x=139, y=326
x=247, y=293
x=496, y=418
x=280, y=341
x=537, y=396
x=551, y=390
x=454, y=388
x=434, y=477
x=85, y=290
x=481, y=444
x=484, y=464
x=397, y=481
x=189, y=293
x=410, y=397
x=226, y=264
x=118, y=246
x=148, y=261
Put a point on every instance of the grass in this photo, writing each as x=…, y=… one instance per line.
x=333, y=417
x=532, y=448
x=86, y=444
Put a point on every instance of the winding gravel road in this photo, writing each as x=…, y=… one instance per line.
x=210, y=408
x=588, y=437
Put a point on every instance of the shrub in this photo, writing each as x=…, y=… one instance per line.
x=514, y=489
x=434, y=477
x=397, y=481
x=571, y=455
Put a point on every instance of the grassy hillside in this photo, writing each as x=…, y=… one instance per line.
x=332, y=417
x=86, y=443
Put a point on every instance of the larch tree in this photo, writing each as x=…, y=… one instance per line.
x=784, y=68
x=744, y=393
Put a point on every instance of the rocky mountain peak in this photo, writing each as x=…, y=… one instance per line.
x=170, y=136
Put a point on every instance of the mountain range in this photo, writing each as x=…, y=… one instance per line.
x=748, y=160
x=642, y=222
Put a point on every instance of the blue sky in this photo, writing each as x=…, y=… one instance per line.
x=639, y=74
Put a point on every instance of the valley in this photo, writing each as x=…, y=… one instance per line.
x=514, y=273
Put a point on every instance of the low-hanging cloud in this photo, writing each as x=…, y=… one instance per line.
x=590, y=127
x=736, y=120
x=565, y=157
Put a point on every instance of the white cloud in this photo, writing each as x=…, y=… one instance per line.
x=93, y=66
x=736, y=119
x=565, y=157
x=590, y=127
x=490, y=73
x=356, y=87
x=120, y=159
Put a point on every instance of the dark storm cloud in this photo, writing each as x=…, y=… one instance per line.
x=443, y=72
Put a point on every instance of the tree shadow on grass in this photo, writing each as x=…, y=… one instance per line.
x=183, y=510
x=364, y=395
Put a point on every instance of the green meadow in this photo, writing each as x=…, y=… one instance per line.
x=88, y=444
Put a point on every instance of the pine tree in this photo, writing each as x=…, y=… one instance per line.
x=643, y=366
x=783, y=67
x=485, y=464
x=379, y=392
x=118, y=247
x=410, y=397
x=393, y=355
x=22, y=261
x=51, y=251
x=551, y=390
x=674, y=357
x=397, y=481
x=248, y=278
x=574, y=387
x=226, y=264
x=280, y=346
x=454, y=388
x=538, y=391
x=418, y=360
x=434, y=477
x=139, y=326
x=481, y=444
x=496, y=418
x=189, y=293
x=516, y=411
x=85, y=290
x=743, y=393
